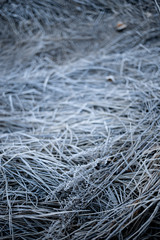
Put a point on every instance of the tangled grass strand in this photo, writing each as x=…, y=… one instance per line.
x=79, y=120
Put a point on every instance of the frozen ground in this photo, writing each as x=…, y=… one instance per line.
x=79, y=120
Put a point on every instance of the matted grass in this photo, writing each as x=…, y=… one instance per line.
x=79, y=120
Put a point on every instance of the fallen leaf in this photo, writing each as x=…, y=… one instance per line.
x=121, y=26
x=110, y=78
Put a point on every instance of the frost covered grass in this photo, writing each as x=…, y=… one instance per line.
x=79, y=120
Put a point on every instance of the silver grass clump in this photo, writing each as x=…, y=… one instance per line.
x=79, y=120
